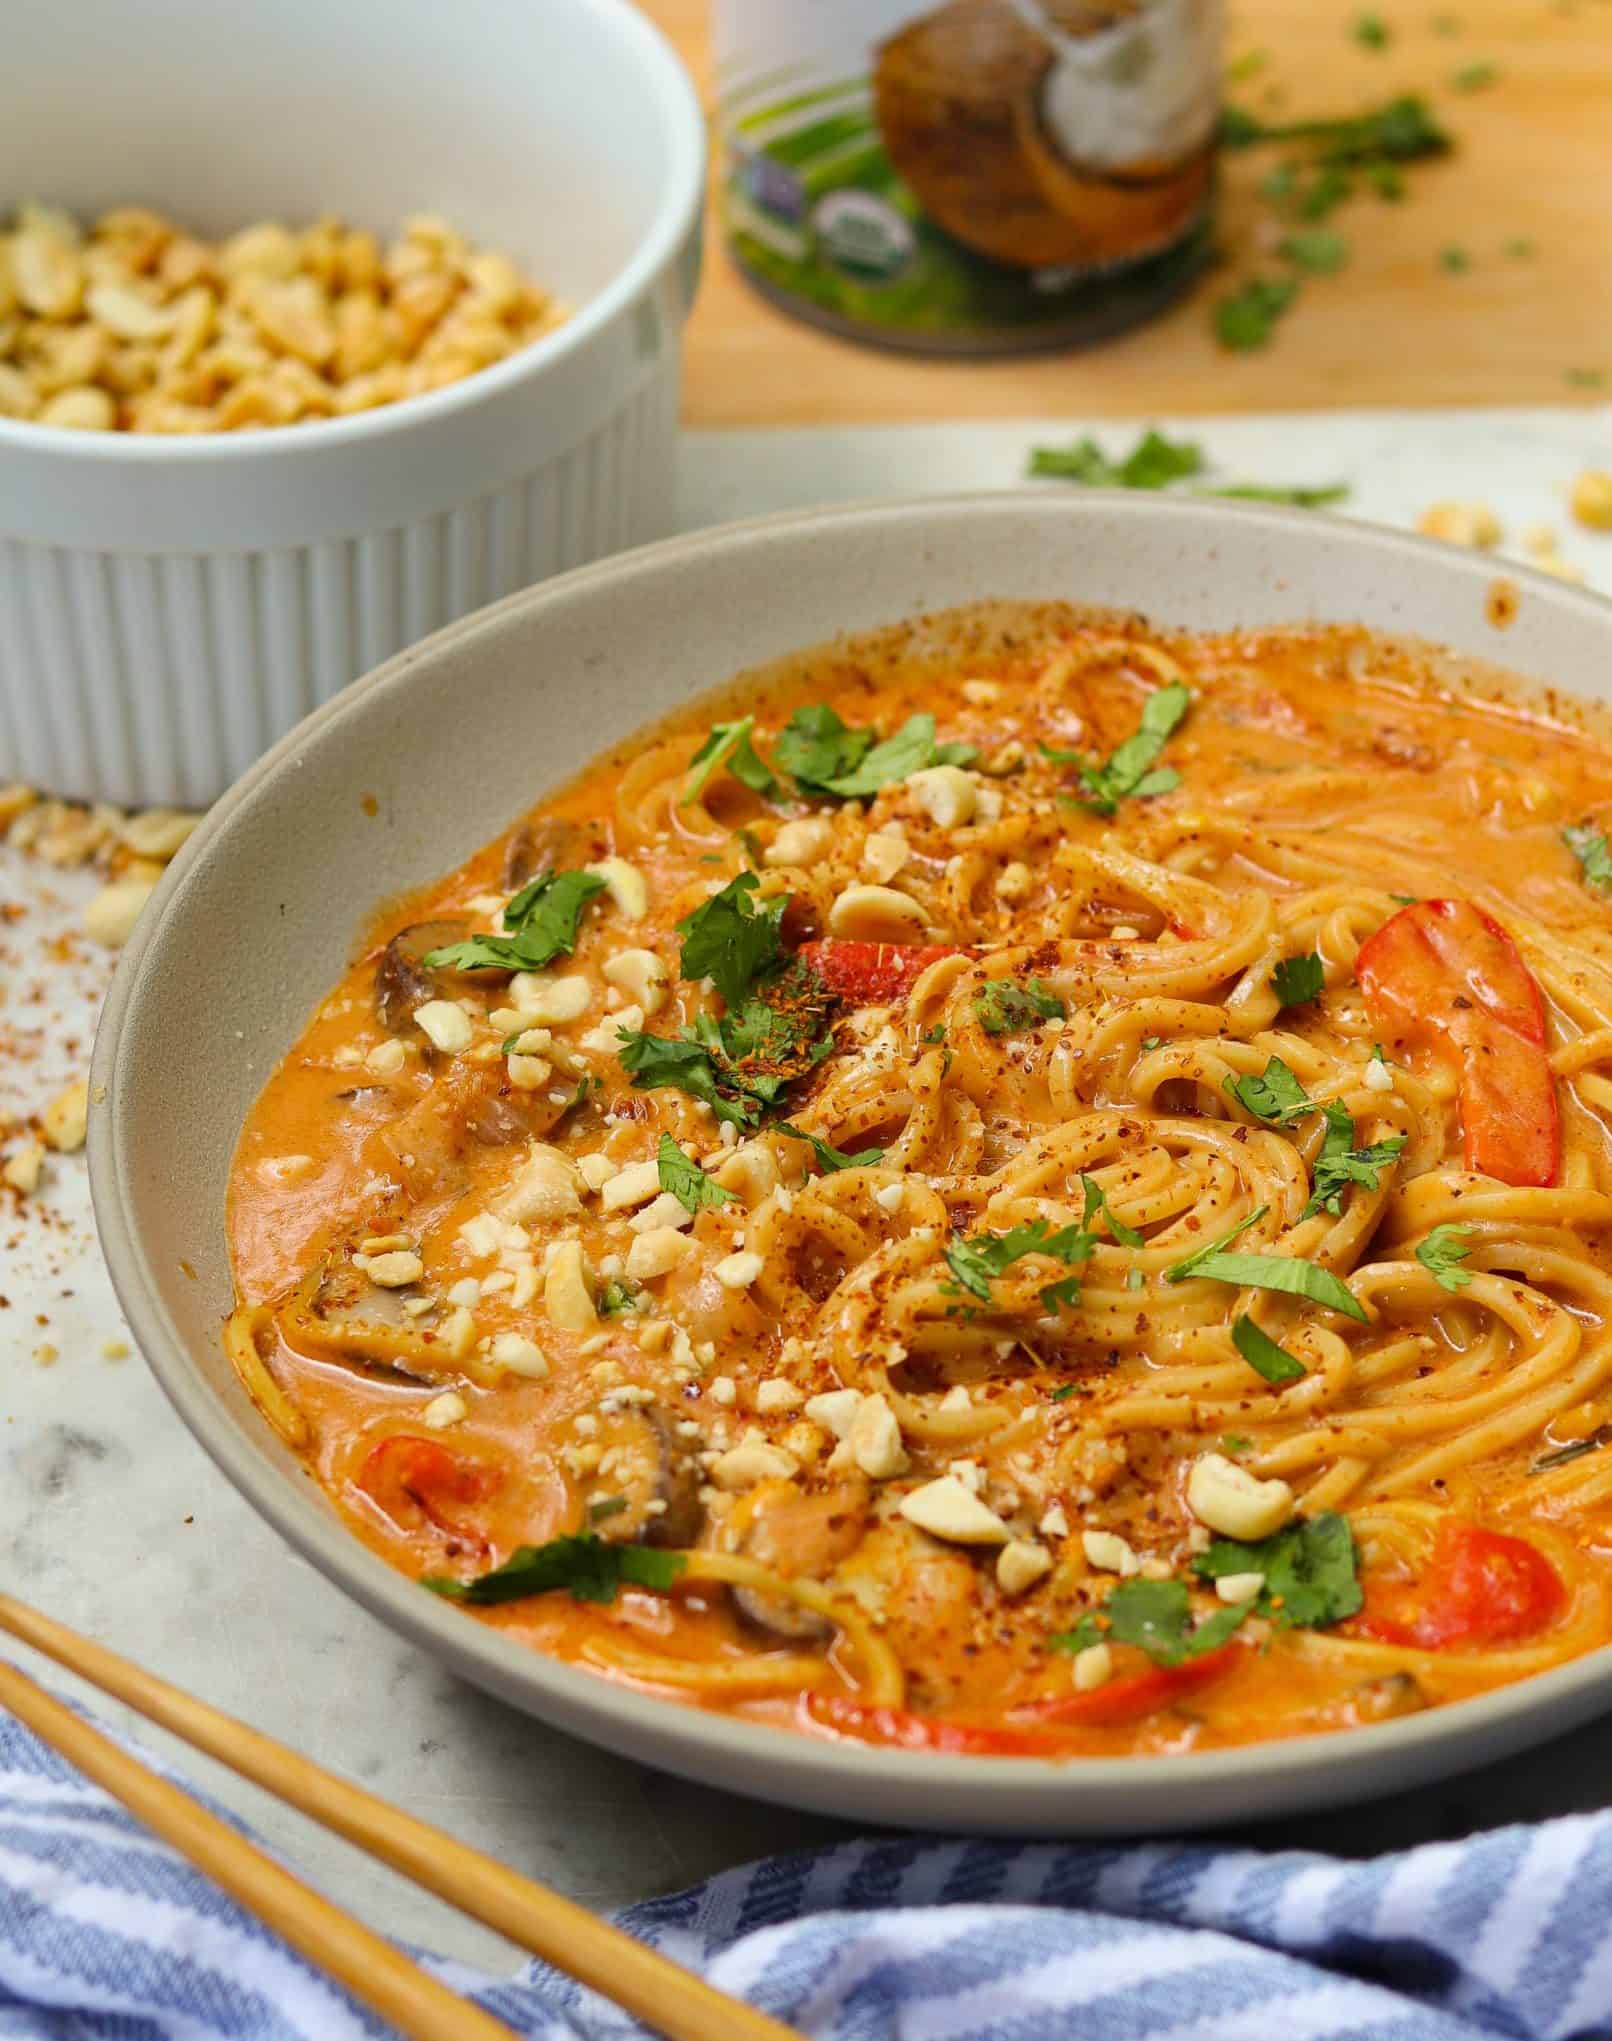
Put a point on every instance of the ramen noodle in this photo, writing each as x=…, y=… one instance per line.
x=1030, y=1185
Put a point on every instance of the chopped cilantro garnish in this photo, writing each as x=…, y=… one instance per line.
x=815, y=747
x=825, y=755
x=1156, y=1616
x=935, y=1034
x=733, y=938
x=592, y=1569
x=742, y=1064
x=730, y=745
x=1062, y=1393
x=1594, y=854
x=1245, y=319
x=976, y=1260
x=1134, y=1279
x=1179, y=1271
x=1151, y=1042
x=1274, y=1096
x=750, y=844
x=1153, y=463
x=1309, y=1569
x=685, y=1179
x=615, y=1299
x=1340, y=1163
x=1281, y=1272
x=1274, y=1363
x=606, y=1506
x=1297, y=980
x=1234, y=1443
x=1128, y=772
x=1442, y=1253
x=1097, y=1207
x=830, y=1159
x=1003, y=1007
x=1321, y=250
x=542, y=921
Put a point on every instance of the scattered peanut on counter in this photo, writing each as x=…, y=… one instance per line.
x=135, y=325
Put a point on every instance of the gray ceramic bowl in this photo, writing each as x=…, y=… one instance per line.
x=256, y=917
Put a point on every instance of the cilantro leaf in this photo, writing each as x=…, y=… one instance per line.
x=1128, y=770
x=911, y=749
x=730, y=745
x=1246, y=318
x=1097, y=1206
x=815, y=747
x=1180, y=1271
x=1400, y=132
x=1275, y=1096
x=683, y=1177
x=1003, y=1007
x=830, y=1159
x=1153, y=463
x=1298, y=980
x=732, y=940
x=1282, y=1272
x=1442, y=1253
x=976, y=1260
x=1156, y=1616
x=542, y=921
x=1309, y=1569
x=1296, y=495
x=678, y=1062
x=741, y=1065
x=1341, y=1163
x=1274, y=1363
x=592, y=1569
x=615, y=1299
x=1321, y=250
x=1594, y=854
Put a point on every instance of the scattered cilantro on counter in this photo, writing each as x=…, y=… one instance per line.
x=1246, y=318
x=1321, y=250
x=1153, y=463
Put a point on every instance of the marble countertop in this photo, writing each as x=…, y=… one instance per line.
x=112, y=1518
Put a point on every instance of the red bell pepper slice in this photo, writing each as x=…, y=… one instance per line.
x=872, y=974
x=413, y=1481
x=1480, y=1587
x=1443, y=971
x=1030, y=1731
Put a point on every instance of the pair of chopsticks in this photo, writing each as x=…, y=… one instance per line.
x=667, y=1998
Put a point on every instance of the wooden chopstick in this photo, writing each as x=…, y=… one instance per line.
x=666, y=1997
x=371, y=1969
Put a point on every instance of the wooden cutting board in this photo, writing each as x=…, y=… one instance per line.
x=1533, y=165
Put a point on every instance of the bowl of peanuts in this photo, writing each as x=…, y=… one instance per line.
x=347, y=323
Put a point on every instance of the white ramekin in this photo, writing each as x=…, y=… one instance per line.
x=169, y=607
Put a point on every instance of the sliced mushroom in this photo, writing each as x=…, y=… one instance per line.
x=338, y=1314
x=653, y=1483
x=402, y=983
x=468, y=1106
x=550, y=844
x=795, y=1534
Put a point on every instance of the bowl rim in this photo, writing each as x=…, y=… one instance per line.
x=677, y=1735
x=677, y=211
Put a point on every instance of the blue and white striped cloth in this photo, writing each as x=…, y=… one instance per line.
x=105, y=1933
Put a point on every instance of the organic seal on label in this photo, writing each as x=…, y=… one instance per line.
x=981, y=176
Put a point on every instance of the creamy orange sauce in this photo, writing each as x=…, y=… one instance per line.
x=1324, y=782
